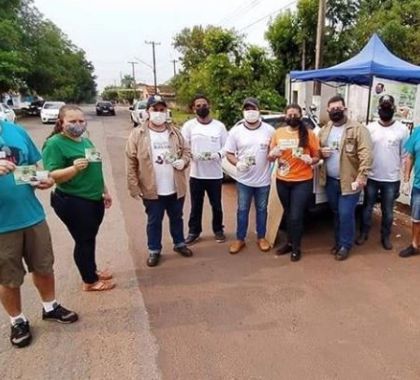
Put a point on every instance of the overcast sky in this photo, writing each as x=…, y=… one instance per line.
x=114, y=32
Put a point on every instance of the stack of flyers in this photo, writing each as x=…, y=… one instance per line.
x=335, y=145
x=250, y=160
x=92, y=155
x=205, y=156
x=297, y=152
x=170, y=157
x=26, y=175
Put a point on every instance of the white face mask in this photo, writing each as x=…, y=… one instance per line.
x=157, y=118
x=252, y=116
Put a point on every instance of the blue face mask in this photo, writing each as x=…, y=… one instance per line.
x=75, y=129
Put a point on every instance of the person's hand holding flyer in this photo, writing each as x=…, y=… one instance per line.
x=92, y=155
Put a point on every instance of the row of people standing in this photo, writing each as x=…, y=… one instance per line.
x=349, y=163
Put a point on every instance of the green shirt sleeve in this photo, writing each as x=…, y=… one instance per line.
x=52, y=156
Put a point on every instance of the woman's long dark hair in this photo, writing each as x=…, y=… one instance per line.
x=303, y=131
x=58, y=127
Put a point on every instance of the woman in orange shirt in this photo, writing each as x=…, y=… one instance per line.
x=296, y=149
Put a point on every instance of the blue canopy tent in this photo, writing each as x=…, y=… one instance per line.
x=374, y=60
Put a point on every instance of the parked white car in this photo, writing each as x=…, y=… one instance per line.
x=6, y=113
x=49, y=111
x=138, y=112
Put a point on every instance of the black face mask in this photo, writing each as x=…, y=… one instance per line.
x=203, y=112
x=386, y=114
x=336, y=115
x=293, y=121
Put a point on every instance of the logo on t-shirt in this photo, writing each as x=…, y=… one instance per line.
x=11, y=154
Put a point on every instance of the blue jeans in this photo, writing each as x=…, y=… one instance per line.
x=343, y=207
x=155, y=210
x=389, y=192
x=245, y=195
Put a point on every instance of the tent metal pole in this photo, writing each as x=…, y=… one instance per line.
x=370, y=95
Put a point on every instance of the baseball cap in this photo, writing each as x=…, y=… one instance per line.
x=155, y=99
x=251, y=102
x=386, y=101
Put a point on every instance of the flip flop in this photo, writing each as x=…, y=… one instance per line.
x=104, y=274
x=99, y=286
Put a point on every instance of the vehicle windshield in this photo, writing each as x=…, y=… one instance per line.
x=102, y=104
x=141, y=105
x=52, y=106
x=274, y=121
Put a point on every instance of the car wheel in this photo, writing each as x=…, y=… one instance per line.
x=113, y=113
x=98, y=114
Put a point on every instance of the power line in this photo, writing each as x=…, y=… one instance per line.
x=232, y=13
x=268, y=15
x=144, y=63
x=243, y=11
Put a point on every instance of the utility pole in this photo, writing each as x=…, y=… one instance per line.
x=154, y=43
x=132, y=63
x=174, y=61
x=319, y=42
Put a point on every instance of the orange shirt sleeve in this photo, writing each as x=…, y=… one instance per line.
x=313, y=144
x=273, y=142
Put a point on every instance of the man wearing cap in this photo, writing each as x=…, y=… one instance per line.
x=247, y=148
x=156, y=161
x=388, y=139
x=206, y=138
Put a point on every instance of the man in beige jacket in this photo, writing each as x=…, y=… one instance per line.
x=346, y=149
x=156, y=161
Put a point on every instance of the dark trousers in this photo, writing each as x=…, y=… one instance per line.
x=82, y=218
x=213, y=188
x=388, y=192
x=155, y=210
x=294, y=196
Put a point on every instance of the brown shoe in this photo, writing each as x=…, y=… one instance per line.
x=263, y=245
x=236, y=247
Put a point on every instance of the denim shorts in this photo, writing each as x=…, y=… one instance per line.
x=415, y=205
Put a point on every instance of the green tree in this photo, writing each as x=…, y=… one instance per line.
x=36, y=56
x=12, y=58
x=216, y=62
x=396, y=22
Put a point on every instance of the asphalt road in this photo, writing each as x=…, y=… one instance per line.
x=217, y=316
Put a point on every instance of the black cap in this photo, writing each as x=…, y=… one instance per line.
x=251, y=102
x=155, y=99
x=386, y=101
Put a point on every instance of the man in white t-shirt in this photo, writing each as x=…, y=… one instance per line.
x=388, y=139
x=247, y=148
x=157, y=157
x=206, y=138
